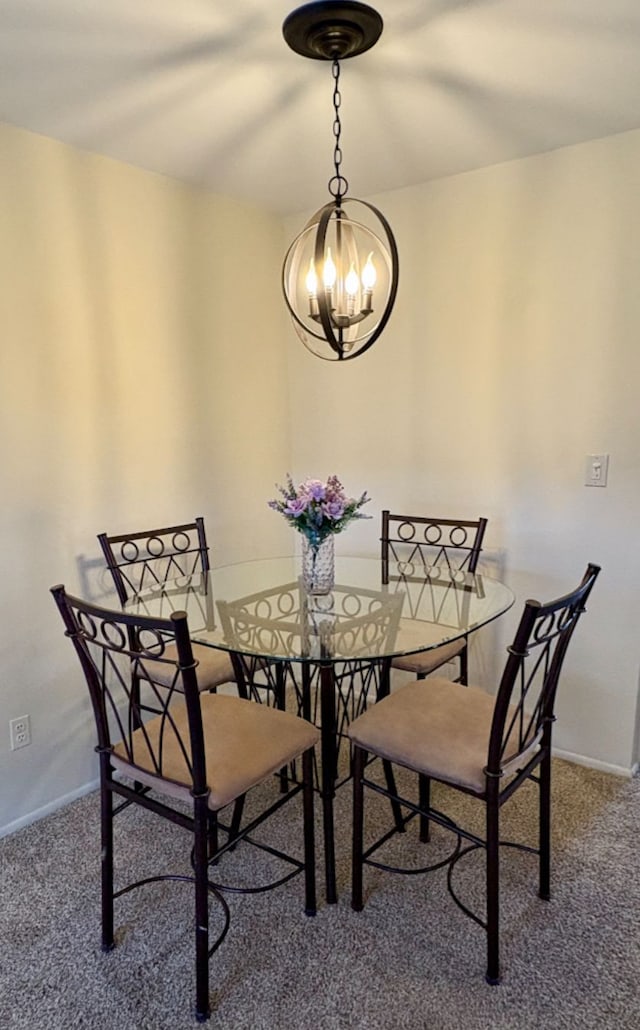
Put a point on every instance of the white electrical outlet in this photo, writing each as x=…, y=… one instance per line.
x=20, y=732
x=596, y=469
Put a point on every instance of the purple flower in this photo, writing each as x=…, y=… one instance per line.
x=296, y=507
x=315, y=489
x=333, y=509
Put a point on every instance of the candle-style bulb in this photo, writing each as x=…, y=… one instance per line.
x=311, y=280
x=351, y=283
x=369, y=274
x=330, y=272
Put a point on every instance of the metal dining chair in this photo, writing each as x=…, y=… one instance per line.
x=484, y=746
x=192, y=754
x=411, y=542
x=150, y=560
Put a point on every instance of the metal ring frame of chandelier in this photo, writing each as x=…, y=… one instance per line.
x=338, y=348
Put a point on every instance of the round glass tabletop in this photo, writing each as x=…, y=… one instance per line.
x=262, y=608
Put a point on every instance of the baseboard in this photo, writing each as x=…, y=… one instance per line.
x=53, y=806
x=593, y=763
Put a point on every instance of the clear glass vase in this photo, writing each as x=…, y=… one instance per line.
x=318, y=566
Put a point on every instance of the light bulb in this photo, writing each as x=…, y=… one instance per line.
x=351, y=283
x=311, y=280
x=369, y=274
x=330, y=273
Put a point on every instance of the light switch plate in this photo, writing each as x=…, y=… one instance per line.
x=596, y=470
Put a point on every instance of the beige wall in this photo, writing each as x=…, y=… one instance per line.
x=512, y=354
x=142, y=346
x=148, y=375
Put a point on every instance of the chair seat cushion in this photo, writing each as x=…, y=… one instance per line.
x=214, y=666
x=423, y=662
x=437, y=728
x=245, y=742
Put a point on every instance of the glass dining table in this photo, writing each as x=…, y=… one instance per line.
x=325, y=656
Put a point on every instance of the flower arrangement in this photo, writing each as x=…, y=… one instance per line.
x=317, y=509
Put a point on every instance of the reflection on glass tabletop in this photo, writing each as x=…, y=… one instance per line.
x=262, y=608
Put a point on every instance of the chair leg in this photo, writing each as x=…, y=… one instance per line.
x=106, y=833
x=359, y=760
x=202, y=825
x=545, y=828
x=424, y=801
x=241, y=675
x=236, y=819
x=309, y=835
x=464, y=666
x=281, y=701
x=493, y=887
x=391, y=787
x=384, y=691
x=137, y=721
x=329, y=758
x=212, y=836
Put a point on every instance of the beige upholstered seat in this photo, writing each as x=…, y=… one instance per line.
x=214, y=667
x=244, y=744
x=472, y=742
x=441, y=732
x=421, y=663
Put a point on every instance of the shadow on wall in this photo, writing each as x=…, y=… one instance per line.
x=96, y=583
x=487, y=647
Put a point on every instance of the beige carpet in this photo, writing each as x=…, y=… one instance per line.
x=409, y=961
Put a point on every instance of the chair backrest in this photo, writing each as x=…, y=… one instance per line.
x=154, y=557
x=524, y=707
x=353, y=623
x=415, y=540
x=156, y=727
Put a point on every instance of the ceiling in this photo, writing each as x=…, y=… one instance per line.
x=207, y=91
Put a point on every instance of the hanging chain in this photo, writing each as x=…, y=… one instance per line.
x=338, y=185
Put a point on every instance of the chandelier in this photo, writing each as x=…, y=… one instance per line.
x=340, y=274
